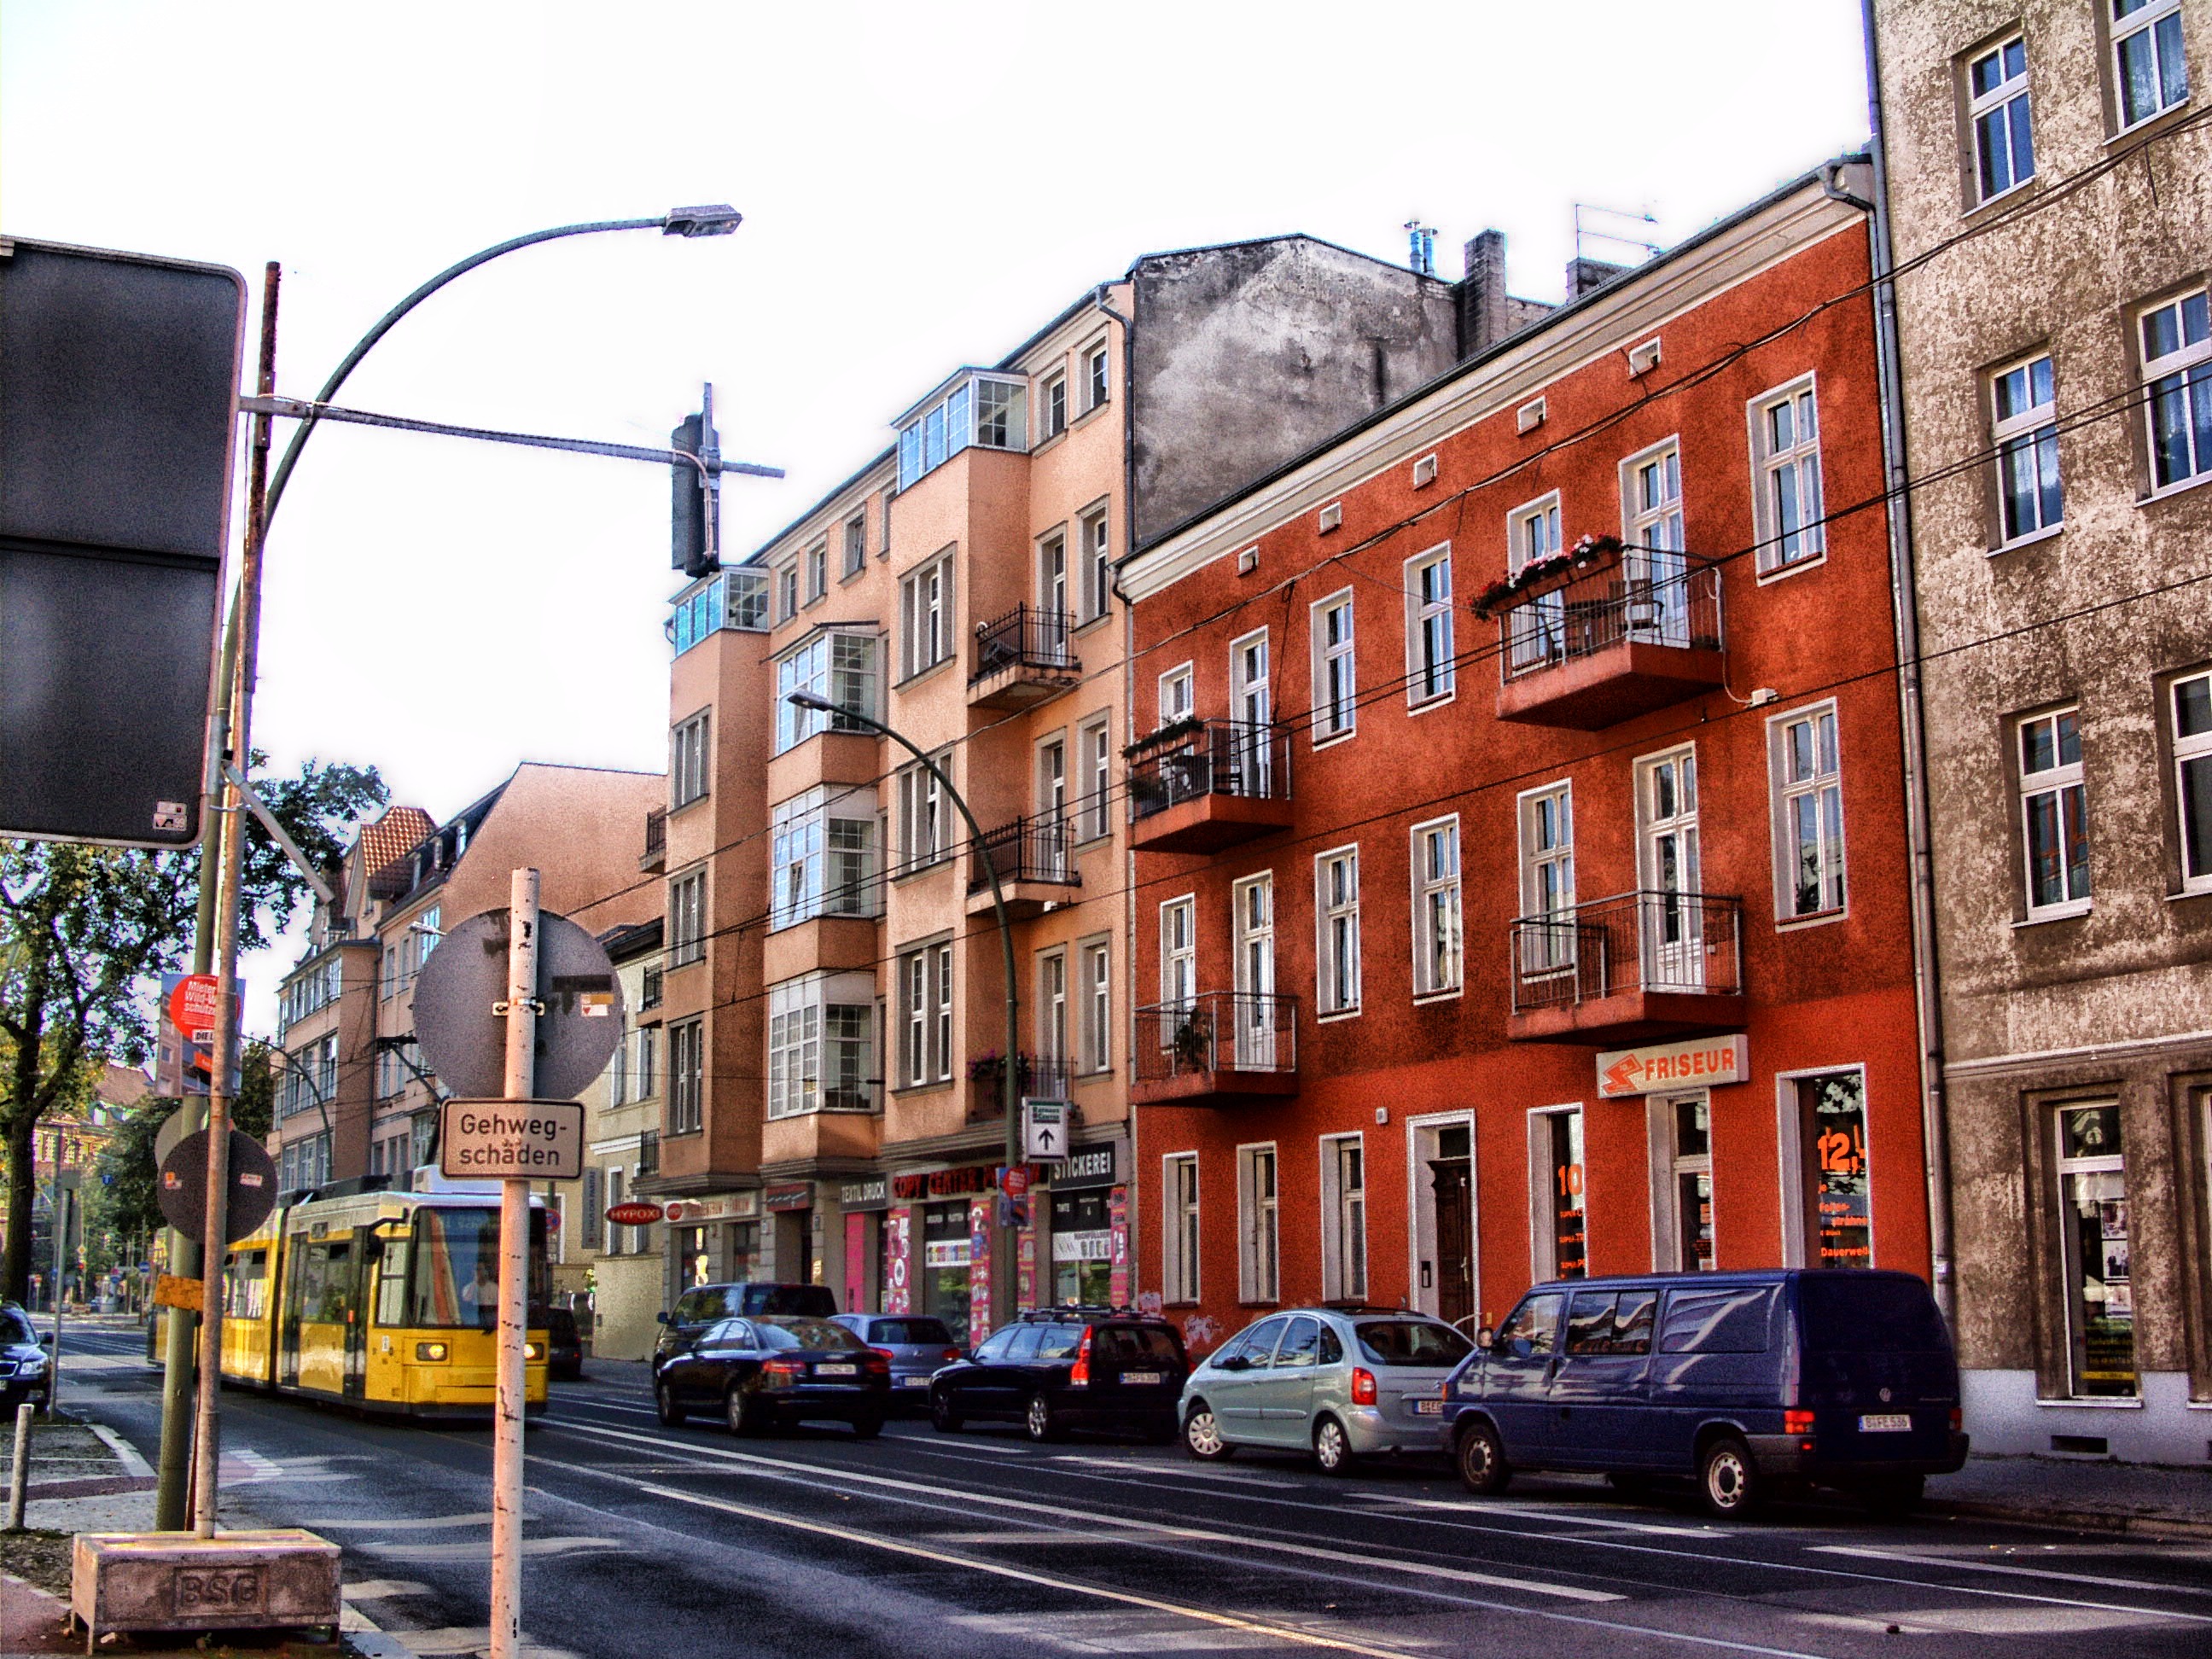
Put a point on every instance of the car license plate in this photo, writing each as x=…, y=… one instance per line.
x=914, y=1381
x=1143, y=1376
x=836, y=1370
x=1428, y=1408
x=1886, y=1423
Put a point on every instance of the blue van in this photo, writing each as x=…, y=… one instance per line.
x=1745, y=1382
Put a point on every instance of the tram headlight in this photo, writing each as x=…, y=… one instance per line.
x=430, y=1351
x=533, y=1351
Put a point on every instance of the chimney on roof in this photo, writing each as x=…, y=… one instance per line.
x=1484, y=311
x=1421, y=246
x=1584, y=275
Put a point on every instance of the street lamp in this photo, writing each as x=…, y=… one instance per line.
x=1010, y=1072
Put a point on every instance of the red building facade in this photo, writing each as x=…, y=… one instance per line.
x=1520, y=873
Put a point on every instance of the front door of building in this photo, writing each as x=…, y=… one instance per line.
x=1451, y=1180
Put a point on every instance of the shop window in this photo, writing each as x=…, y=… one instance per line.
x=2093, y=1209
x=1082, y=1249
x=1831, y=1130
x=1560, y=1246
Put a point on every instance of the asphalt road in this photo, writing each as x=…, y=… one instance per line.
x=647, y=1540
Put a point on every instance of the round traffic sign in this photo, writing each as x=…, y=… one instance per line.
x=464, y=1042
x=181, y=1189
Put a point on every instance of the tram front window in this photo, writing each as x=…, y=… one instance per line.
x=456, y=1267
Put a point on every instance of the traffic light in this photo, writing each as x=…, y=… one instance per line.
x=695, y=505
x=119, y=381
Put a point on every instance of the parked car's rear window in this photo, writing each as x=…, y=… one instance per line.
x=1135, y=1342
x=813, y=1301
x=1717, y=1320
x=1402, y=1342
x=1848, y=1312
x=914, y=1333
x=1058, y=1342
x=13, y=1328
x=787, y=1331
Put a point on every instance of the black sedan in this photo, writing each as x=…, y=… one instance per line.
x=1061, y=1368
x=25, y=1367
x=773, y=1370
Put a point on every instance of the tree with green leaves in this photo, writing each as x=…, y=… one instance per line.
x=87, y=931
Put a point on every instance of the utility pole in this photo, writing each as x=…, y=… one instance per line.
x=521, y=1010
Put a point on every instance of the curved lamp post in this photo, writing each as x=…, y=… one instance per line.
x=1010, y=1072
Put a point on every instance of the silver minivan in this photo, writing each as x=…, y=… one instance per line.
x=1340, y=1382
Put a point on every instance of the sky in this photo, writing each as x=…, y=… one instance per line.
x=921, y=187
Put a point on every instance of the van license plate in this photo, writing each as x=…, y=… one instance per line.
x=914, y=1381
x=1129, y=1378
x=1428, y=1408
x=836, y=1370
x=1886, y=1423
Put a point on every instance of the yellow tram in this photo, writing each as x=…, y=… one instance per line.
x=386, y=1301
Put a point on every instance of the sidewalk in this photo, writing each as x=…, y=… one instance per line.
x=2091, y=1494
x=84, y=1478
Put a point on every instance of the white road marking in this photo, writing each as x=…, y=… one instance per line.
x=2043, y=1573
x=479, y=1549
x=471, y=1640
x=378, y=1589
x=125, y=1453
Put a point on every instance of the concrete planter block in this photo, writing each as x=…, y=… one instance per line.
x=173, y=1581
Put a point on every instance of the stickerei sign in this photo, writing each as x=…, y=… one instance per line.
x=1699, y=1063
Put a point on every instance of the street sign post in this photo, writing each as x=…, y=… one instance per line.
x=1044, y=1130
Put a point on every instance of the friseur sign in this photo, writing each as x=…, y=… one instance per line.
x=511, y=1140
x=1702, y=1062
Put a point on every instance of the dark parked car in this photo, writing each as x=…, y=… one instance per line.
x=1746, y=1382
x=26, y=1367
x=773, y=1372
x=1062, y=1368
x=564, y=1348
x=703, y=1304
x=917, y=1348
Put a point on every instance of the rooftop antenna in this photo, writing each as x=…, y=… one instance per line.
x=1421, y=246
x=1587, y=232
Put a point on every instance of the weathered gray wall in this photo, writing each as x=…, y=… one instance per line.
x=1248, y=354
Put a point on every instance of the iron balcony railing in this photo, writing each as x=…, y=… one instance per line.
x=1025, y=637
x=1041, y=849
x=1041, y=1077
x=1630, y=596
x=1194, y=759
x=1217, y=1031
x=656, y=832
x=1686, y=944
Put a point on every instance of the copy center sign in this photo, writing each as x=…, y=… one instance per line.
x=511, y=1140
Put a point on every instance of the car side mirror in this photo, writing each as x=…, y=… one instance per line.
x=1486, y=1337
x=660, y=1318
x=45, y=1339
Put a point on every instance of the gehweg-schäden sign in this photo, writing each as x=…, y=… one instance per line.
x=511, y=1140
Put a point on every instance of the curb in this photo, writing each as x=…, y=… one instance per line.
x=2100, y=1520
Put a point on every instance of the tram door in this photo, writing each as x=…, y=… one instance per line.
x=357, y=1274
x=288, y=1313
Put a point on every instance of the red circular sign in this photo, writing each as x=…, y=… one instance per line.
x=192, y=1004
x=637, y=1213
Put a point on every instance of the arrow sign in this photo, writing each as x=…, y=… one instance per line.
x=1044, y=1130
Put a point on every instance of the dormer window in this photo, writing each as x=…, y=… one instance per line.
x=989, y=411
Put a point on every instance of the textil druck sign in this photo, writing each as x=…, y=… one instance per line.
x=512, y=1139
x=1699, y=1063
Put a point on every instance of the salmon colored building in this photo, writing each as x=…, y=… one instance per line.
x=1520, y=858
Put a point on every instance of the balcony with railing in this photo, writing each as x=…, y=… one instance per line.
x=1037, y=1077
x=1600, y=639
x=656, y=840
x=1034, y=858
x=1199, y=786
x=1630, y=969
x=1022, y=658
x=1218, y=1046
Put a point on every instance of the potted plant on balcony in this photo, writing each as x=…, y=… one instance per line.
x=1193, y=1043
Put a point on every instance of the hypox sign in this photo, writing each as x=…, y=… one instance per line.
x=512, y=1140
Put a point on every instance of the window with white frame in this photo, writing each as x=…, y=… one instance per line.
x=2177, y=349
x=1096, y=380
x=2192, y=778
x=988, y=411
x=1429, y=665
x=2054, y=814
x=1806, y=776
x=1052, y=1006
x=687, y=1066
x=925, y=978
x=687, y=919
x=1344, y=1218
x=618, y=1072
x=1435, y=908
x=817, y=571
x=1179, y=1233
x=1786, y=450
x=1095, y=985
x=1052, y=406
x=924, y=815
x=1336, y=912
x=1657, y=572
x=822, y=857
x=1335, y=690
x=786, y=591
x=1094, y=743
x=1996, y=93
x=1052, y=574
x=926, y=617
x=1259, y=1265
x=856, y=544
x=2095, y=1257
x=688, y=760
x=1536, y=629
x=2153, y=70
x=1179, y=953
x=2025, y=429
x=1097, y=563
x=821, y=1045
x=1176, y=696
x=1547, y=932
x=838, y=667
x=648, y=1054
